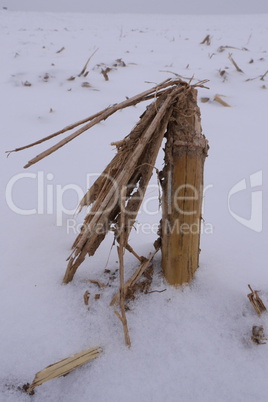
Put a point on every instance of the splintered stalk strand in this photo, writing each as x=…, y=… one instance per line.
x=146, y=95
x=49, y=137
x=122, y=242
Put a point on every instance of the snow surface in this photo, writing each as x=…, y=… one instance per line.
x=188, y=344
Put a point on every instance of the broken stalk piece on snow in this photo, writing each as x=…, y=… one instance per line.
x=256, y=301
x=234, y=63
x=64, y=367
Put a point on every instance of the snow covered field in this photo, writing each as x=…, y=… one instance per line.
x=188, y=344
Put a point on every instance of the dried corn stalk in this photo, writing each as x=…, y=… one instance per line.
x=182, y=182
x=131, y=167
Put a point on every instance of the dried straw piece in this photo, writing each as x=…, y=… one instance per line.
x=130, y=249
x=154, y=92
x=146, y=95
x=85, y=66
x=222, y=48
x=100, y=116
x=64, y=367
x=234, y=63
x=263, y=76
x=217, y=98
x=120, y=249
x=61, y=50
x=256, y=301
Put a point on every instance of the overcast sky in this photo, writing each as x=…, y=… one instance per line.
x=141, y=6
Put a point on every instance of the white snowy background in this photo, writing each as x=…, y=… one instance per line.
x=188, y=344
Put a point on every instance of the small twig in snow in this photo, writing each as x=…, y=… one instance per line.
x=206, y=40
x=85, y=66
x=263, y=76
x=234, y=63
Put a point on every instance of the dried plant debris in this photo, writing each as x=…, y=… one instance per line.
x=218, y=98
x=260, y=77
x=204, y=99
x=177, y=75
x=142, y=285
x=120, y=250
x=119, y=63
x=86, y=297
x=64, y=367
x=107, y=68
x=263, y=76
x=222, y=48
x=86, y=85
x=105, y=73
x=223, y=74
x=46, y=77
x=25, y=388
x=234, y=63
x=85, y=66
x=138, y=151
x=130, y=283
x=61, y=50
x=256, y=301
x=258, y=336
x=210, y=55
x=26, y=84
x=206, y=40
